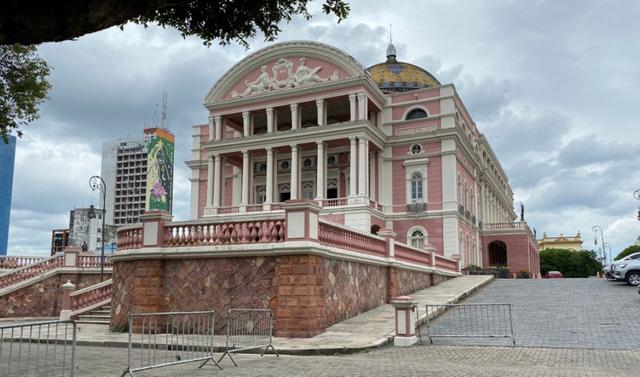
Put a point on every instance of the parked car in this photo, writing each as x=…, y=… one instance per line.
x=607, y=269
x=628, y=271
x=554, y=275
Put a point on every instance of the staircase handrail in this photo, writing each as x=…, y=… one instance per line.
x=27, y=272
x=90, y=297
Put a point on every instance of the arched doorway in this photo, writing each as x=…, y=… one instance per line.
x=497, y=253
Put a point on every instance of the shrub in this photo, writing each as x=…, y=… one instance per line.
x=523, y=275
x=572, y=264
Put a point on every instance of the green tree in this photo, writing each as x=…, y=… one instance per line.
x=572, y=264
x=32, y=22
x=23, y=87
x=629, y=250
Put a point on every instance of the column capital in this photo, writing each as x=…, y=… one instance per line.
x=211, y=116
x=244, y=152
x=320, y=101
x=294, y=105
x=353, y=139
x=320, y=143
x=269, y=149
x=218, y=118
x=294, y=147
x=352, y=96
x=246, y=113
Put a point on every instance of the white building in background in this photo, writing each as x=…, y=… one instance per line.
x=125, y=172
x=85, y=228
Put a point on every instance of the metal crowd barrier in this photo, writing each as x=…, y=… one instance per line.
x=248, y=329
x=158, y=340
x=38, y=349
x=470, y=321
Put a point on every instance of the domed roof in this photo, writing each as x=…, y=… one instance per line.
x=395, y=76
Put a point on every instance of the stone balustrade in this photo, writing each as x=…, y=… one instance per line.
x=93, y=261
x=411, y=254
x=130, y=237
x=345, y=238
x=446, y=263
x=306, y=226
x=241, y=232
x=11, y=262
x=30, y=271
x=92, y=295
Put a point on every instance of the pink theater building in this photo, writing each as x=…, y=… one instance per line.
x=336, y=172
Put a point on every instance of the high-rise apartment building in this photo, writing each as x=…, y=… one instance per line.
x=138, y=175
x=7, y=161
x=85, y=230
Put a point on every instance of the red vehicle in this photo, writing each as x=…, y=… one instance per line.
x=554, y=275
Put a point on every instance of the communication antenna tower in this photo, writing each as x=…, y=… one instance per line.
x=165, y=121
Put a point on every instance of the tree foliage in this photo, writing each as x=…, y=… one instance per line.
x=629, y=250
x=23, y=87
x=572, y=264
x=29, y=22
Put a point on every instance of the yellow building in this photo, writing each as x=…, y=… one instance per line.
x=562, y=242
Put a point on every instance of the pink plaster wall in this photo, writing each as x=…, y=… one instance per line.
x=411, y=96
x=434, y=176
x=334, y=217
x=433, y=108
x=522, y=252
x=433, y=227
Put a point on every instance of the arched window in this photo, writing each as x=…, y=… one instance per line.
x=417, y=237
x=416, y=188
x=416, y=114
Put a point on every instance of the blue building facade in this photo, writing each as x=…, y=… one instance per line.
x=7, y=162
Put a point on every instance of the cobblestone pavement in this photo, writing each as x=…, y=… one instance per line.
x=565, y=313
x=392, y=361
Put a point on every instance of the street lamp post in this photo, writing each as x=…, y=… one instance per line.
x=97, y=183
x=596, y=229
x=608, y=246
x=636, y=194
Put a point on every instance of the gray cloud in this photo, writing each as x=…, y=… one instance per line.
x=551, y=83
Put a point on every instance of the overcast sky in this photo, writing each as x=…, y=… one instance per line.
x=552, y=84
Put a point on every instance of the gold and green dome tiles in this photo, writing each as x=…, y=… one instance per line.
x=400, y=76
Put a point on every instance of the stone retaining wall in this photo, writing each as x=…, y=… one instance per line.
x=307, y=293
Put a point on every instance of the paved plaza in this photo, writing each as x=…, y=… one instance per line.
x=393, y=361
x=564, y=313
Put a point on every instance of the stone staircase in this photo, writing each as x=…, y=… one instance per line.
x=98, y=316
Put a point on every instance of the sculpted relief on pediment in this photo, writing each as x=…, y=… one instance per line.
x=283, y=76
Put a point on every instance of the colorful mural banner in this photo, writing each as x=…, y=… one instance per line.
x=160, y=152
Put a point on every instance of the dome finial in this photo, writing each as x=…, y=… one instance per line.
x=391, y=49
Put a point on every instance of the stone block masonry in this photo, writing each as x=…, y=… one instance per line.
x=307, y=293
x=44, y=298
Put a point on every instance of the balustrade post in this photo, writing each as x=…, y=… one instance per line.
x=153, y=223
x=389, y=241
x=71, y=256
x=405, y=309
x=67, y=288
x=301, y=219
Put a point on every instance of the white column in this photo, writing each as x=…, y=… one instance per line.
x=269, y=119
x=218, y=128
x=246, y=116
x=352, y=107
x=362, y=106
x=320, y=171
x=379, y=176
x=269, y=176
x=209, y=182
x=210, y=127
x=245, y=180
x=294, y=116
x=372, y=175
x=217, y=180
x=320, y=112
x=294, y=172
x=362, y=167
x=353, y=168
